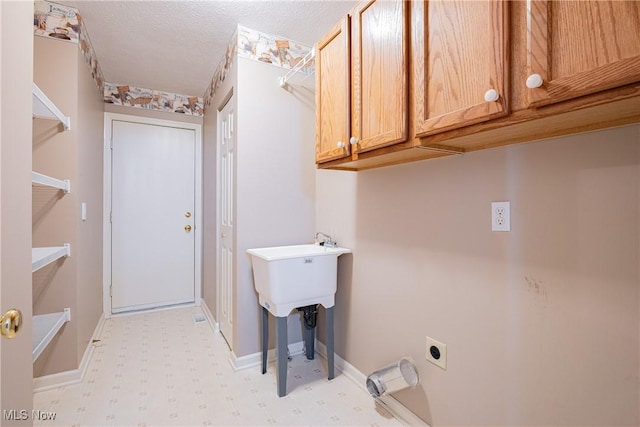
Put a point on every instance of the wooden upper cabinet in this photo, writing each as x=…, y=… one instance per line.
x=460, y=68
x=580, y=47
x=332, y=94
x=379, y=40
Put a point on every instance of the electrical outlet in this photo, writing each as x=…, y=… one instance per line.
x=500, y=216
x=437, y=353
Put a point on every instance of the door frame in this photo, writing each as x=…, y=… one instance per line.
x=109, y=118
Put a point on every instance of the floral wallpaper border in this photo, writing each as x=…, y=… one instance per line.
x=64, y=23
x=148, y=99
x=258, y=46
x=222, y=70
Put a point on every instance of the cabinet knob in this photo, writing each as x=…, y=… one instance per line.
x=340, y=144
x=534, y=81
x=353, y=140
x=491, y=95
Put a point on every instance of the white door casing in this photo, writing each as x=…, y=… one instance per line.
x=152, y=192
x=226, y=161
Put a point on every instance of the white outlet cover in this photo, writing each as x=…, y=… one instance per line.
x=441, y=361
x=500, y=216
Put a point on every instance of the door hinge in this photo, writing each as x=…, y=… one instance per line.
x=111, y=290
x=111, y=144
x=111, y=217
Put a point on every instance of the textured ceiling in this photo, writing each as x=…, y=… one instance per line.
x=175, y=46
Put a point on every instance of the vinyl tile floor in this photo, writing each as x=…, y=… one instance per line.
x=164, y=369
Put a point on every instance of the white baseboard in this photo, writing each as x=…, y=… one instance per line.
x=389, y=403
x=207, y=313
x=255, y=359
x=60, y=379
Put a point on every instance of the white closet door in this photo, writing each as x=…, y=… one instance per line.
x=153, y=200
x=226, y=138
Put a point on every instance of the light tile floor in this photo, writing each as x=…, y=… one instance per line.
x=162, y=368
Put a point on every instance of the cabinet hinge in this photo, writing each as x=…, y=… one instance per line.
x=111, y=290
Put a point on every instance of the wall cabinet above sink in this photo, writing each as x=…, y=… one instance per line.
x=476, y=75
x=459, y=62
x=580, y=48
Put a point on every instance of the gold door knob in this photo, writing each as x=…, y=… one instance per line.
x=187, y=214
x=187, y=228
x=11, y=323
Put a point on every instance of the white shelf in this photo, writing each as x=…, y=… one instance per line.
x=45, y=109
x=38, y=178
x=45, y=327
x=44, y=256
x=301, y=67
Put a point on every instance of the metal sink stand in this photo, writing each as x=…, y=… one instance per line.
x=281, y=346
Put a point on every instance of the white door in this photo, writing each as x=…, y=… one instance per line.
x=226, y=150
x=153, y=216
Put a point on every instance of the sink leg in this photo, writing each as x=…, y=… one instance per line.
x=329, y=314
x=281, y=363
x=265, y=338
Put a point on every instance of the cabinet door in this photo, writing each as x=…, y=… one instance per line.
x=460, y=68
x=581, y=47
x=332, y=94
x=380, y=76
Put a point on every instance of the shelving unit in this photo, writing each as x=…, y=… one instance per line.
x=38, y=178
x=45, y=109
x=304, y=67
x=41, y=257
x=45, y=327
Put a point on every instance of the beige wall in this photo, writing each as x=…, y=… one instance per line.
x=275, y=188
x=89, y=189
x=542, y=323
x=16, y=76
x=275, y=183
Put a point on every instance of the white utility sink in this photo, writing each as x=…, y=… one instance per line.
x=287, y=277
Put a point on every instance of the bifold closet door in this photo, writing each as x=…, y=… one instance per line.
x=153, y=200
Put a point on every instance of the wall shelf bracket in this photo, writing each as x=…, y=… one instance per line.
x=38, y=178
x=44, y=108
x=41, y=257
x=45, y=328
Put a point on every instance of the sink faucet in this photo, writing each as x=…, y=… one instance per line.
x=325, y=240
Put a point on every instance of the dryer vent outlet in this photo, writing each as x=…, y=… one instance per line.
x=437, y=353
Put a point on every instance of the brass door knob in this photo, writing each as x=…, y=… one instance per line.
x=187, y=228
x=11, y=323
x=187, y=214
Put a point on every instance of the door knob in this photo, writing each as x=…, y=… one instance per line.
x=187, y=228
x=223, y=235
x=11, y=323
x=187, y=214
